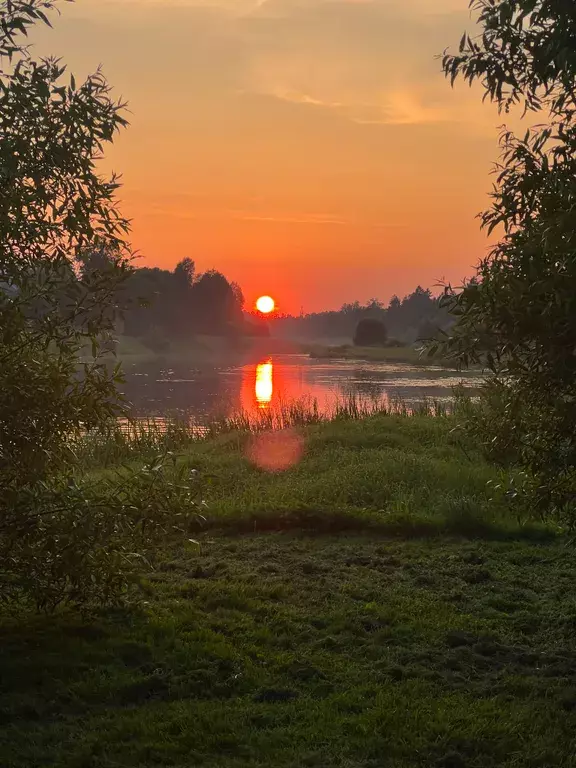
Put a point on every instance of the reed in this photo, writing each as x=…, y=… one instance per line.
x=134, y=439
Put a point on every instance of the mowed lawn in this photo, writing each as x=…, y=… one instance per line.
x=372, y=606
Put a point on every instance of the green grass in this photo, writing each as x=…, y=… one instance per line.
x=370, y=607
x=406, y=354
x=145, y=439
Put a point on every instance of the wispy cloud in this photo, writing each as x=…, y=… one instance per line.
x=199, y=210
x=297, y=218
x=397, y=108
x=292, y=167
x=369, y=61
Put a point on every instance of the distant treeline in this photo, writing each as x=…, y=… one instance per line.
x=162, y=305
x=416, y=316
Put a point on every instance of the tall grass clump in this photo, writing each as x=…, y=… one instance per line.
x=133, y=439
x=300, y=412
x=141, y=439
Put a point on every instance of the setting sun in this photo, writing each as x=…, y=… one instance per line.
x=265, y=304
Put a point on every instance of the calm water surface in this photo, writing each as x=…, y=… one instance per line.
x=208, y=392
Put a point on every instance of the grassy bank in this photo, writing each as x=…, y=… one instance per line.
x=195, y=351
x=212, y=350
x=202, y=350
x=371, y=606
x=406, y=354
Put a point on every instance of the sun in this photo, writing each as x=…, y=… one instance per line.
x=265, y=304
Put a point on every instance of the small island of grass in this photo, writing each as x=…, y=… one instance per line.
x=377, y=354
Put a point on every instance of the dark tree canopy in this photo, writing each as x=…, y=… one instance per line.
x=179, y=304
x=370, y=333
x=215, y=303
x=402, y=318
x=185, y=272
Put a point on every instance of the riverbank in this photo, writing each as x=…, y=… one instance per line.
x=202, y=350
x=392, y=354
x=213, y=350
x=370, y=606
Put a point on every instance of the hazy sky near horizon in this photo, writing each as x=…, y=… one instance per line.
x=310, y=149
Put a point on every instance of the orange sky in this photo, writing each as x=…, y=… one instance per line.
x=309, y=149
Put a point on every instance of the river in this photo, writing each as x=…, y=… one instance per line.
x=213, y=391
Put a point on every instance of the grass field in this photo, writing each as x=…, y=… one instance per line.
x=370, y=607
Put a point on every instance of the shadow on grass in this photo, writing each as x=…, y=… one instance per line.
x=322, y=522
x=286, y=631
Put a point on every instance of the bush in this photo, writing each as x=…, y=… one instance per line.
x=50, y=312
x=77, y=541
x=370, y=333
x=517, y=317
x=61, y=538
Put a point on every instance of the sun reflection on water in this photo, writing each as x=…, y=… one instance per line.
x=264, y=384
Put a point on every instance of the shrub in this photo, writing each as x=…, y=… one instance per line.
x=77, y=541
x=61, y=539
x=517, y=317
x=370, y=333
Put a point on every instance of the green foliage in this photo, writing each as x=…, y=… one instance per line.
x=63, y=266
x=370, y=333
x=525, y=54
x=143, y=440
x=518, y=316
x=54, y=207
x=389, y=468
x=73, y=541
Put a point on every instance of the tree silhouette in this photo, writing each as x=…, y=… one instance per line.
x=370, y=333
